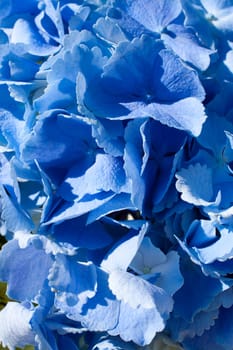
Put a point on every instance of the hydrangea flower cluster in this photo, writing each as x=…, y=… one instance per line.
x=116, y=174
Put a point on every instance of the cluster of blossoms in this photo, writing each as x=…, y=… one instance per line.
x=116, y=174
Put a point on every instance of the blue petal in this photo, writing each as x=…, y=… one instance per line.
x=202, y=322
x=69, y=210
x=72, y=277
x=165, y=77
x=216, y=6
x=219, y=336
x=80, y=233
x=201, y=233
x=194, y=299
x=10, y=104
x=150, y=163
x=15, y=7
x=100, y=313
x=5, y=8
x=108, y=174
x=117, y=203
x=54, y=134
x=8, y=178
x=195, y=17
x=213, y=134
x=109, y=136
x=25, y=270
x=134, y=161
x=58, y=94
x=177, y=81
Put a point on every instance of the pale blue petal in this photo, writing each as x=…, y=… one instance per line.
x=49, y=21
x=141, y=325
x=121, y=255
x=12, y=130
x=196, y=184
x=176, y=115
x=216, y=6
x=8, y=178
x=152, y=16
x=170, y=278
x=12, y=213
x=153, y=264
x=100, y=313
x=221, y=250
x=26, y=35
x=221, y=13
x=136, y=292
x=15, y=326
x=185, y=44
x=109, y=30
x=147, y=257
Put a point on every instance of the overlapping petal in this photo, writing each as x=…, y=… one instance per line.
x=116, y=151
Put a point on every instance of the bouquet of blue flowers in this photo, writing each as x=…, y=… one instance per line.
x=116, y=174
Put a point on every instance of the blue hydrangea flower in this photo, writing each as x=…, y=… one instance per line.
x=166, y=97
x=116, y=163
x=165, y=21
